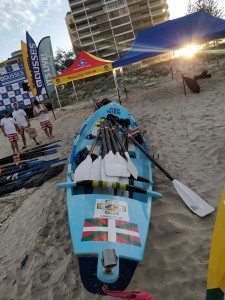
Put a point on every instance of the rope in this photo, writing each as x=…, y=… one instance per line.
x=138, y=295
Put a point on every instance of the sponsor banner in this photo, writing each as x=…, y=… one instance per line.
x=47, y=63
x=34, y=63
x=27, y=68
x=108, y=230
x=12, y=76
x=11, y=79
x=83, y=74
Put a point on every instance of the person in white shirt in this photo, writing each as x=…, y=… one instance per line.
x=9, y=129
x=23, y=123
x=41, y=111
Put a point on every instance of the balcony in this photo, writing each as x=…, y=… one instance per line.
x=119, y=16
x=115, y=6
x=76, y=2
x=158, y=20
x=161, y=3
x=80, y=19
x=102, y=37
x=158, y=12
x=94, y=5
x=97, y=13
x=85, y=26
x=121, y=33
x=139, y=16
x=129, y=2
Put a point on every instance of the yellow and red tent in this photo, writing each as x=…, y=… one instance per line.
x=85, y=65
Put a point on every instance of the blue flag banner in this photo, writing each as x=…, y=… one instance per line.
x=47, y=64
x=11, y=79
x=34, y=64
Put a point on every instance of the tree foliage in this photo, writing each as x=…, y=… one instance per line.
x=63, y=60
x=209, y=6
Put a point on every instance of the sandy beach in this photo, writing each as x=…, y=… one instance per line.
x=187, y=133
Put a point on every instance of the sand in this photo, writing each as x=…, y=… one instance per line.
x=187, y=132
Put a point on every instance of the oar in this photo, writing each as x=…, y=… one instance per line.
x=130, y=165
x=113, y=166
x=190, y=198
x=96, y=168
x=111, y=185
x=42, y=153
x=104, y=176
x=7, y=159
x=41, y=146
x=83, y=170
x=123, y=162
x=30, y=171
x=17, y=163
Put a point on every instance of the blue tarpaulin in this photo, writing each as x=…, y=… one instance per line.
x=195, y=28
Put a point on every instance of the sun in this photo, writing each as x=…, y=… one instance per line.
x=188, y=51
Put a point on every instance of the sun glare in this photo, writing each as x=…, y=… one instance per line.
x=187, y=51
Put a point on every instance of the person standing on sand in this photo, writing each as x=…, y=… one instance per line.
x=41, y=111
x=23, y=123
x=9, y=128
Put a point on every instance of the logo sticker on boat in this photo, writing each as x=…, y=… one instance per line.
x=108, y=230
x=113, y=209
x=114, y=111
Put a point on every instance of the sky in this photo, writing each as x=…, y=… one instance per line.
x=47, y=18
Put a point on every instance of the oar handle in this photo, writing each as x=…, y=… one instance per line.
x=94, y=143
x=113, y=141
x=107, y=137
x=145, y=152
x=103, y=139
x=118, y=139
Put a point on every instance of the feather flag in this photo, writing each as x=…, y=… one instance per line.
x=47, y=64
x=27, y=68
x=34, y=64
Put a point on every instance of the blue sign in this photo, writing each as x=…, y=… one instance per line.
x=11, y=79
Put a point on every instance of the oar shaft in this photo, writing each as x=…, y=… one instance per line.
x=94, y=143
x=103, y=139
x=150, y=157
x=113, y=141
x=145, y=152
x=107, y=136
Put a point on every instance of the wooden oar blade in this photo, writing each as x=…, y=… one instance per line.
x=83, y=170
x=192, y=200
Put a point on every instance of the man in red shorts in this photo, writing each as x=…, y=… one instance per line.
x=23, y=123
x=9, y=129
x=41, y=111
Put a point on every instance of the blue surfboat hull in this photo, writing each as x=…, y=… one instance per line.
x=102, y=219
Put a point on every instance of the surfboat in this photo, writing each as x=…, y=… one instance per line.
x=108, y=210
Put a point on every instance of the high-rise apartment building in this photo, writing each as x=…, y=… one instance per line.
x=107, y=28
